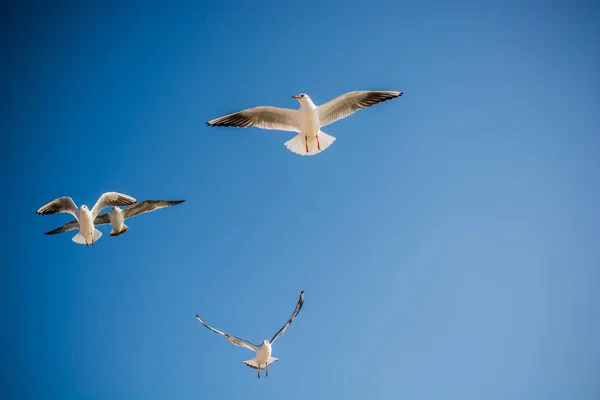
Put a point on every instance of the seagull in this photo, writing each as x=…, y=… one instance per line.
x=307, y=120
x=85, y=218
x=263, y=358
x=117, y=216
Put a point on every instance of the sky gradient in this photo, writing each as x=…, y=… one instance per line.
x=447, y=241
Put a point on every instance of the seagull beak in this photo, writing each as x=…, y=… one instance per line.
x=295, y=97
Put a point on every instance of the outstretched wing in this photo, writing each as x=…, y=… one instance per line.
x=101, y=219
x=282, y=119
x=148, y=206
x=235, y=340
x=65, y=228
x=110, y=199
x=294, y=314
x=60, y=205
x=351, y=102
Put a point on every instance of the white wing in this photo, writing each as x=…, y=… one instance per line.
x=110, y=199
x=235, y=340
x=60, y=205
x=294, y=314
x=282, y=119
x=351, y=102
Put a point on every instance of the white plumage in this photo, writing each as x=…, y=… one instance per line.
x=85, y=218
x=263, y=357
x=307, y=120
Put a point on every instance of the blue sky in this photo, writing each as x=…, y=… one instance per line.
x=447, y=241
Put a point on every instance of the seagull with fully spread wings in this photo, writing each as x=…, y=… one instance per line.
x=85, y=218
x=307, y=120
x=117, y=216
x=263, y=358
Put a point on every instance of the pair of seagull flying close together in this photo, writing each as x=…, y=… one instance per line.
x=87, y=220
x=263, y=357
x=307, y=120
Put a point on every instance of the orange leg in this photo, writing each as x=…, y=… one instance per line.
x=267, y=368
x=259, y=374
x=318, y=143
x=86, y=243
x=306, y=141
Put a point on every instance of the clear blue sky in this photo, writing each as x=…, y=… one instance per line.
x=447, y=241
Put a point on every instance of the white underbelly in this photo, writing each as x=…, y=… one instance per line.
x=117, y=222
x=311, y=124
x=86, y=226
x=263, y=354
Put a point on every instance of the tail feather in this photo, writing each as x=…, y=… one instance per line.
x=114, y=232
x=97, y=235
x=298, y=144
x=254, y=365
x=80, y=239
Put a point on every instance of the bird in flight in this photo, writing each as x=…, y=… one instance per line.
x=85, y=218
x=263, y=357
x=117, y=216
x=307, y=120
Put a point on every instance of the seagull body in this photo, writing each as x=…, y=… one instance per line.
x=117, y=221
x=263, y=357
x=117, y=216
x=84, y=218
x=307, y=120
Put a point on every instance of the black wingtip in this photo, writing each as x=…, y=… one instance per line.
x=401, y=93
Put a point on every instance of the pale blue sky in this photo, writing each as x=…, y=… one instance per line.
x=447, y=241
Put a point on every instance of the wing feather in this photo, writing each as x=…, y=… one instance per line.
x=234, y=340
x=111, y=199
x=349, y=103
x=294, y=314
x=282, y=119
x=146, y=206
x=60, y=205
x=65, y=228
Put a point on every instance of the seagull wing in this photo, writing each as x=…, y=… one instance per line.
x=65, y=228
x=110, y=199
x=235, y=340
x=294, y=314
x=351, y=102
x=148, y=206
x=102, y=219
x=60, y=205
x=282, y=119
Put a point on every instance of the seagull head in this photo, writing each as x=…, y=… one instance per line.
x=302, y=97
x=265, y=342
x=84, y=207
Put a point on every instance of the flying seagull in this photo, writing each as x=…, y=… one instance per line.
x=307, y=120
x=117, y=216
x=85, y=218
x=263, y=358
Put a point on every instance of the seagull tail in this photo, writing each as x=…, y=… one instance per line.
x=80, y=239
x=299, y=142
x=114, y=232
x=254, y=365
